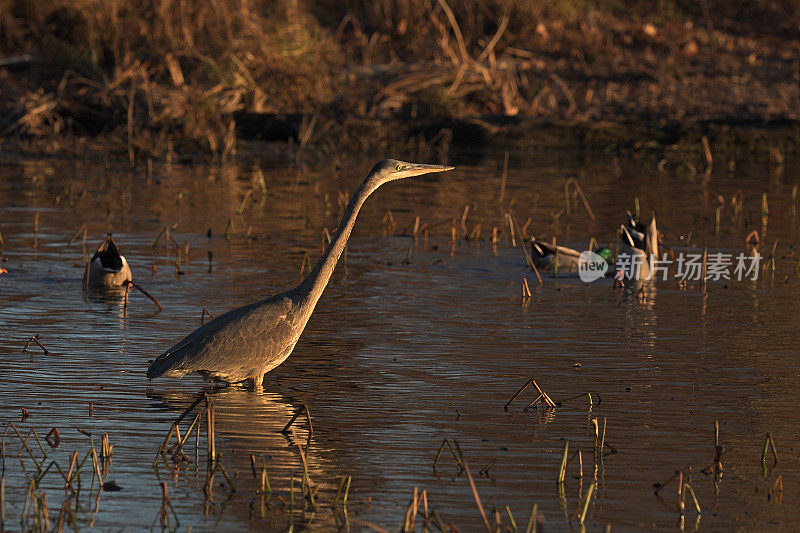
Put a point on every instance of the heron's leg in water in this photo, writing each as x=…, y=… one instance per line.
x=253, y=384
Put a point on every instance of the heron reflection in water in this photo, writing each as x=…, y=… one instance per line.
x=244, y=344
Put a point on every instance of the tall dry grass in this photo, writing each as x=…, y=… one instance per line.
x=164, y=74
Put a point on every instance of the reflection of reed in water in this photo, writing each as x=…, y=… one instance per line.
x=263, y=464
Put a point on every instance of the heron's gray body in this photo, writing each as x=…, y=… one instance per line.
x=247, y=342
x=242, y=344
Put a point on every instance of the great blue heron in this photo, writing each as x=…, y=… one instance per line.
x=247, y=342
x=107, y=268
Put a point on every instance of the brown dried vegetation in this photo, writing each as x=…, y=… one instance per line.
x=167, y=75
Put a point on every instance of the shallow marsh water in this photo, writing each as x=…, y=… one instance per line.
x=400, y=355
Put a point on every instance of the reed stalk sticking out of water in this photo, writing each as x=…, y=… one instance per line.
x=531, y=527
x=503, y=179
x=769, y=443
x=563, y=467
x=587, y=498
x=473, y=487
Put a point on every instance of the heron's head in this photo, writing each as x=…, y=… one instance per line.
x=392, y=169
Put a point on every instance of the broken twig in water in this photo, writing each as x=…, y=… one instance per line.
x=35, y=340
x=545, y=398
x=146, y=294
x=452, y=451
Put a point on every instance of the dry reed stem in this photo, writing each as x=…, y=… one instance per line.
x=96, y=464
x=572, y=181
x=690, y=490
x=484, y=472
x=146, y=294
x=474, y=489
x=299, y=411
x=67, y=482
x=253, y=465
x=769, y=443
x=77, y=234
x=464, y=220
x=465, y=57
x=511, y=230
x=563, y=467
x=203, y=314
x=533, y=402
x=125, y=303
x=307, y=478
x=179, y=448
x=452, y=451
x=585, y=504
x=704, y=269
x=53, y=433
x=219, y=465
x=531, y=527
x=707, y=151
x=777, y=487
x=24, y=444
x=211, y=444
x=528, y=258
x=546, y=398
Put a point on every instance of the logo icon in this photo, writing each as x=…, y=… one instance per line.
x=591, y=266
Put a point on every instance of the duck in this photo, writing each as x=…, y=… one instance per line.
x=107, y=268
x=550, y=256
x=640, y=242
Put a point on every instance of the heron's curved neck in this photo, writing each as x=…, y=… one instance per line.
x=310, y=290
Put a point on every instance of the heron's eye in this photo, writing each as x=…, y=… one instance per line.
x=399, y=167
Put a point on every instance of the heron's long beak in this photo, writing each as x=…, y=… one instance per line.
x=417, y=169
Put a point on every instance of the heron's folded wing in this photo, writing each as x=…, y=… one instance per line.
x=193, y=343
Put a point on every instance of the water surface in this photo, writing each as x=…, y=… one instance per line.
x=407, y=348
